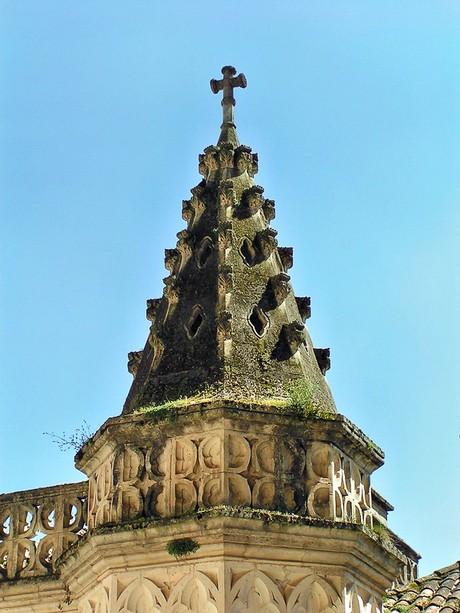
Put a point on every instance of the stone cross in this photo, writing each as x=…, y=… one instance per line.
x=227, y=84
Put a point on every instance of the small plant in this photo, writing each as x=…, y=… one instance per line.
x=382, y=533
x=182, y=547
x=301, y=400
x=75, y=440
x=301, y=395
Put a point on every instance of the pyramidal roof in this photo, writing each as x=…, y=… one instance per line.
x=228, y=323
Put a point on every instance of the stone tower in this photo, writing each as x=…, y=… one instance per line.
x=229, y=483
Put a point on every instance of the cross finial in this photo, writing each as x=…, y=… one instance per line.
x=227, y=84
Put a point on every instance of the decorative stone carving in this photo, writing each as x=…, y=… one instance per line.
x=171, y=292
x=279, y=286
x=245, y=161
x=313, y=595
x=224, y=325
x=323, y=359
x=266, y=242
x=286, y=257
x=292, y=337
x=304, y=306
x=251, y=201
x=268, y=209
x=185, y=247
x=225, y=279
x=156, y=344
x=36, y=530
x=194, y=593
x=254, y=591
x=134, y=359
x=225, y=236
x=152, y=308
x=141, y=596
x=187, y=211
x=227, y=196
x=226, y=156
x=172, y=260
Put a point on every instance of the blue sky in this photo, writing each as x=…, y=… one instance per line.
x=354, y=109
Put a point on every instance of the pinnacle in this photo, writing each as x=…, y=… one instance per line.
x=228, y=321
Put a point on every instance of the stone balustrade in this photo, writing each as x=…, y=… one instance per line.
x=37, y=526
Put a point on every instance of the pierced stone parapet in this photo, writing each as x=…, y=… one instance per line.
x=172, y=470
x=37, y=526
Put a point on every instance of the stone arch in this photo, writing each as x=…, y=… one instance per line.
x=353, y=601
x=255, y=591
x=195, y=593
x=313, y=595
x=141, y=596
x=98, y=602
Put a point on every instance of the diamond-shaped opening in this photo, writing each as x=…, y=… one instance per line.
x=203, y=252
x=195, y=321
x=258, y=321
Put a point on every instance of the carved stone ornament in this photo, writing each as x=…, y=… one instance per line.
x=227, y=196
x=279, y=286
x=252, y=200
x=172, y=260
x=185, y=246
x=245, y=161
x=225, y=279
x=224, y=325
x=225, y=235
x=226, y=156
x=304, y=306
x=152, y=308
x=266, y=241
x=323, y=357
x=187, y=211
x=268, y=208
x=134, y=359
x=286, y=257
x=293, y=335
x=171, y=290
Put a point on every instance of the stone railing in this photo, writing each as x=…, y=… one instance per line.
x=37, y=526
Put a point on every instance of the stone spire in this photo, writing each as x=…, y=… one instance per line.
x=228, y=321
